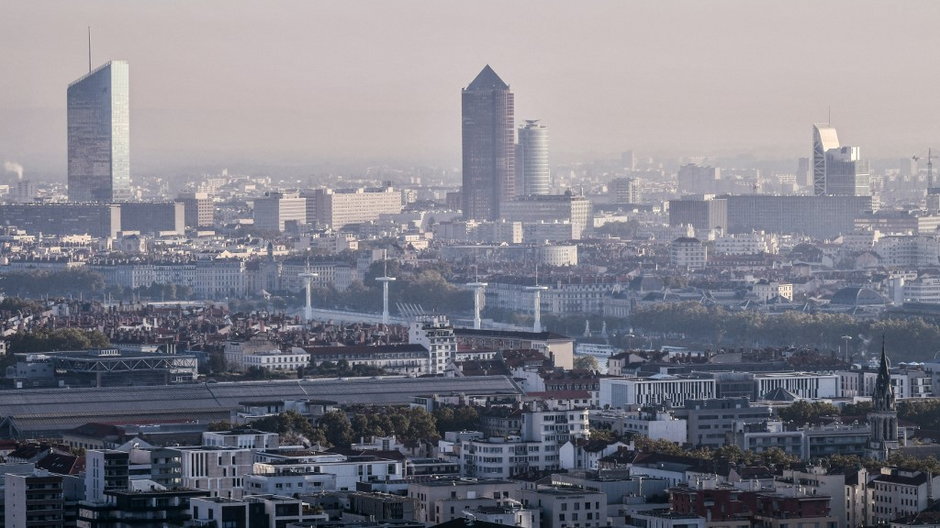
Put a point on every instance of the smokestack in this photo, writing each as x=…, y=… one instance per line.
x=12, y=166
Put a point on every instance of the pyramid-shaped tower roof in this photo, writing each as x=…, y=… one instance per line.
x=487, y=80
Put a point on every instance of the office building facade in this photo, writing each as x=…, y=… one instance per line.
x=488, y=146
x=824, y=139
x=533, y=175
x=99, y=135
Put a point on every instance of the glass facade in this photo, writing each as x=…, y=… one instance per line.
x=99, y=135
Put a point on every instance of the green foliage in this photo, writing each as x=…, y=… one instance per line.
x=292, y=426
x=586, y=363
x=45, y=340
x=909, y=339
x=623, y=230
x=15, y=304
x=924, y=413
x=771, y=457
x=459, y=418
x=341, y=368
x=43, y=283
x=336, y=427
x=805, y=412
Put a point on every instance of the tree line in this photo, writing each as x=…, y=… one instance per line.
x=908, y=339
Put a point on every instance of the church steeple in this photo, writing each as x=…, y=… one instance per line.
x=883, y=418
x=883, y=396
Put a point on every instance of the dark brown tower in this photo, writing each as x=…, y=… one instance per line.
x=488, y=146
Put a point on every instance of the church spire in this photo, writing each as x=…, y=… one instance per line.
x=883, y=397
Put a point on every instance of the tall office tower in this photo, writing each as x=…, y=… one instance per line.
x=99, y=135
x=628, y=160
x=532, y=172
x=824, y=138
x=488, y=146
x=846, y=173
x=803, y=178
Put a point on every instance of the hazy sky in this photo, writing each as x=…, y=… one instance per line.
x=323, y=80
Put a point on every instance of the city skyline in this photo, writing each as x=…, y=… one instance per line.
x=749, y=97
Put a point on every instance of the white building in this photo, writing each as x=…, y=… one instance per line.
x=803, y=385
x=655, y=390
x=911, y=251
x=532, y=169
x=688, y=253
x=219, y=470
x=291, y=471
x=245, y=439
x=276, y=210
x=754, y=243
x=898, y=493
x=341, y=207
x=436, y=334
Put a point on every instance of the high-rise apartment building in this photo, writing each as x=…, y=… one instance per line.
x=199, y=209
x=623, y=191
x=277, y=211
x=532, y=172
x=824, y=139
x=341, y=207
x=99, y=135
x=488, y=146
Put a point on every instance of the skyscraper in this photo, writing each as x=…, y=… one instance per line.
x=824, y=138
x=847, y=173
x=532, y=172
x=99, y=135
x=488, y=146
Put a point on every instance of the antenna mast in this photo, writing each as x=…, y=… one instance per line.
x=89, y=49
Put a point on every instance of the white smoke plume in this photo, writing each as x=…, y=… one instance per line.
x=12, y=166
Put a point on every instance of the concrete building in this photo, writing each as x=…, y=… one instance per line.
x=816, y=216
x=277, y=211
x=710, y=421
x=549, y=208
x=656, y=390
x=698, y=179
x=341, y=207
x=219, y=470
x=154, y=217
x=99, y=135
x=624, y=191
x=564, y=507
x=688, y=253
x=487, y=108
x=704, y=214
x=99, y=220
x=199, y=211
x=440, y=500
x=35, y=499
x=436, y=335
x=897, y=493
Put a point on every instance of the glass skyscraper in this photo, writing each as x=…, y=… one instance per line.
x=488, y=146
x=99, y=135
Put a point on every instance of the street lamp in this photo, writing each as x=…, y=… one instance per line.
x=846, y=339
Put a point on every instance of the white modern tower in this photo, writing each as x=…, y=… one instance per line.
x=537, y=295
x=532, y=170
x=824, y=139
x=478, y=288
x=385, y=279
x=308, y=277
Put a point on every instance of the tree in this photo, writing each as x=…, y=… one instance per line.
x=336, y=428
x=292, y=426
x=804, y=412
x=586, y=363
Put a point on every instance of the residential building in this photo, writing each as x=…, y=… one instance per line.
x=436, y=335
x=277, y=211
x=199, y=211
x=219, y=470
x=897, y=493
x=624, y=191
x=688, y=253
x=568, y=507
x=710, y=421
x=337, y=208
